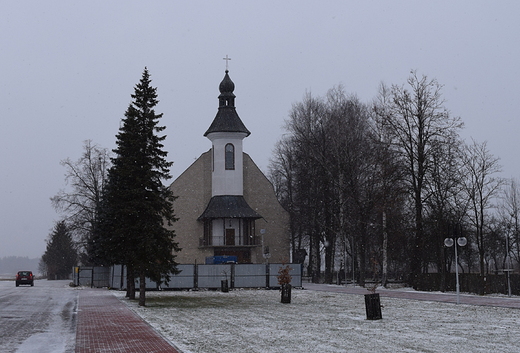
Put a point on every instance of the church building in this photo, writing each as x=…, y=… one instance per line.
x=227, y=208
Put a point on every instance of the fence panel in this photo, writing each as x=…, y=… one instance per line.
x=192, y=276
x=117, y=278
x=210, y=276
x=250, y=276
x=85, y=276
x=295, y=272
x=183, y=280
x=100, y=277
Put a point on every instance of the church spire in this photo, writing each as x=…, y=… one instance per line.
x=226, y=87
x=227, y=119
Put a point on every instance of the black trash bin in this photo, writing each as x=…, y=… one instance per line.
x=286, y=293
x=373, y=306
x=224, y=287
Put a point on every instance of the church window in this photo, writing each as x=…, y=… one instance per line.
x=230, y=157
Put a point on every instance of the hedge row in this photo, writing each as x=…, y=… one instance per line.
x=469, y=283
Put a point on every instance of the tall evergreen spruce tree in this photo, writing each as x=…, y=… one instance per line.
x=60, y=254
x=136, y=205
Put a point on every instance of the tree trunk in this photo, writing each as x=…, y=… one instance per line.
x=384, y=278
x=130, y=282
x=362, y=260
x=330, y=251
x=417, y=250
x=443, y=269
x=315, y=259
x=142, y=289
x=481, y=252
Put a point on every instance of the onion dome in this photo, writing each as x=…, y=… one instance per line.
x=227, y=119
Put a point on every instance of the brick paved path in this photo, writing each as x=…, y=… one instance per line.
x=470, y=299
x=107, y=325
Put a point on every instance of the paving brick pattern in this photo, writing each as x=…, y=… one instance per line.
x=107, y=325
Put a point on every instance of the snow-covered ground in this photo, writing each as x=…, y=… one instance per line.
x=255, y=321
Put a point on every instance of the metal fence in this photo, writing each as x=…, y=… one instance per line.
x=91, y=276
x=193, y=276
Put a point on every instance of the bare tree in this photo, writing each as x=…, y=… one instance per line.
x=445, y=205
x=481, y=187
x=510, y=215
x=305, y=179
x=327, y=169
x=282, y=174
x=391, y=197
x=79, y=204
x=418, y=123
x=495, y=244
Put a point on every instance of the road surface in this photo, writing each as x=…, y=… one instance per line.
x=38, y=319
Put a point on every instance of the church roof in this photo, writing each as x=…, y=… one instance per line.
x=227, y=119
x=228, y=206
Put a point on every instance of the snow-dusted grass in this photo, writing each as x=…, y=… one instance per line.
x=255, y=321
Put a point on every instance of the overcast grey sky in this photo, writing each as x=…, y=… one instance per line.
x=68, y=69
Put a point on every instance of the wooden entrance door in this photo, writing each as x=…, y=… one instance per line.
x=230, y=237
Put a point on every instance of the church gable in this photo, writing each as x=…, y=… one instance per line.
x=193, y=189
x=226, y=206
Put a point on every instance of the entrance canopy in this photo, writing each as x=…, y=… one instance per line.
x=228, y=206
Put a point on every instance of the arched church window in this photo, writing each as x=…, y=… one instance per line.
x=230, y=157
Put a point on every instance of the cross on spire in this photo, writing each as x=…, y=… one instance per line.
x=227, y=62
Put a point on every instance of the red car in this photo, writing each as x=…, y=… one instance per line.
x=24, y=277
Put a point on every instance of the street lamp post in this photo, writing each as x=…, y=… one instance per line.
x=449, y=242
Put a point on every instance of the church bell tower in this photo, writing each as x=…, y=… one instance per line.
x=226, y=134
x=229, y=222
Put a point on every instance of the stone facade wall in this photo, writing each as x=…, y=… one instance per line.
x=193, y=191
x=259, y=194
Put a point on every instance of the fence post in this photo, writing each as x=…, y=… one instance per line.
x=267, y=276
x=122, y=277
x=232, y=276
x=195, y=276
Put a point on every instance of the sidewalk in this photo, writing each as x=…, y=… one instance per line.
x=469, y=299
x=105, y=324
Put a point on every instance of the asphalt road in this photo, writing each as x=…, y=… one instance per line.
x=38, y=319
